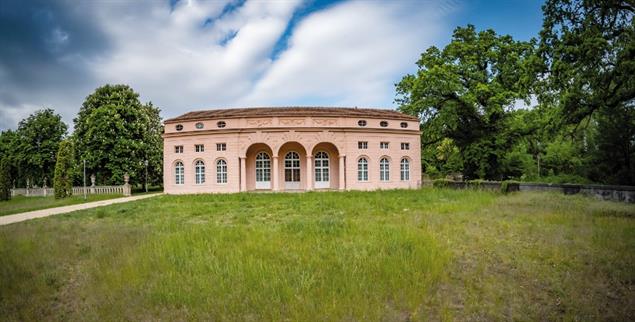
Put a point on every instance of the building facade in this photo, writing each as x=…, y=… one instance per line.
x=291, y=149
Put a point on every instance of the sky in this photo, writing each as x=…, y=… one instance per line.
x=193, y=55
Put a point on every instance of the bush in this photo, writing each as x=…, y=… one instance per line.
x=509, y=186
x=5, y=180
x=441, y=183
x=63, y=180
x=475, y=184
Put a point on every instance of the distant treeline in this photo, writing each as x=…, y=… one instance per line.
x=114, y=134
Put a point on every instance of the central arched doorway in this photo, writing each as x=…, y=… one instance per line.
x=263, y=171
x=292, y=171
x=322, y=170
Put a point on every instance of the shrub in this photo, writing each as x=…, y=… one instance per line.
x=509, y=186
x=63, y=180
x=475, y=184
x=5, y=180
x=441, y=183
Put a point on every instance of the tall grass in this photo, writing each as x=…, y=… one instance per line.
x=388, y=255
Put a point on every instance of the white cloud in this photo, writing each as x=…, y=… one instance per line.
x=350, y=54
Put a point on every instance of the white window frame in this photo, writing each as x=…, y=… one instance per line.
x=263, y=170
x=199, y=172
x=178, y=149
x=362, y=145
x=404, y=167
x=221, y=171
x=384, y=169
x=199, y=147
x=221, y=146
x=405, y=146
x=179, y=173
x=322, y=169
x=362, y=169
x=383, y=145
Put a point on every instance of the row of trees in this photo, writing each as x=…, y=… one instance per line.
x=114, y=134
x=580, y=70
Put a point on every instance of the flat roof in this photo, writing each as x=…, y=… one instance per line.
x=295, y=111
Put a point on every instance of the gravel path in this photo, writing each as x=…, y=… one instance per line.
x=10, y=219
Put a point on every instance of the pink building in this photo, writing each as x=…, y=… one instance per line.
x=291, y=149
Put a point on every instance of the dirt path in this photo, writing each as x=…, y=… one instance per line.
x=10, y=219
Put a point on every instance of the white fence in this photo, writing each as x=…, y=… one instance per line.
x=77, y=191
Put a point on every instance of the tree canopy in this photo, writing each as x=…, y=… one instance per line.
x=35, y=145
x=63, y=180
x=465, y=93
x=115, y=134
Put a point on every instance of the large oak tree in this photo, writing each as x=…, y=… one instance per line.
x=465, y=93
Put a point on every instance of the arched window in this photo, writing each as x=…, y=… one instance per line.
x=362, y=169
x=221, y=171
x=384, y=169
x=263, y=171
x=322, y=170
x=200, y=172
x=405, y=169
x=179, y=172
x=292, y=167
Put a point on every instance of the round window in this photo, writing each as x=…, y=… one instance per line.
x=383, y=124
x=361, y=122
x=179, y=127
x=199, y=125
x=221, y=124
x=404, y=125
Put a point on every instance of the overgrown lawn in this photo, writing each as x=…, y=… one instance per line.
x=387, y=255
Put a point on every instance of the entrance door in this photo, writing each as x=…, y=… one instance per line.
x=322, y=171
x=292, y=171
x=263, y=171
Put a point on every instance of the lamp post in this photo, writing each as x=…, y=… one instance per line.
x=146, y=164
x=84, y=179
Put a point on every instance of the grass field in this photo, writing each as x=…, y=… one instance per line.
x=19, y=204
x=388, y=255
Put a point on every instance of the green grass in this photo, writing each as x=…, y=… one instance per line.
x=388, y=255
x=20, y=204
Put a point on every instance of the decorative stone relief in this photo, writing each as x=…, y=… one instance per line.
x=295, y=122
x=259, y=122
x=325, y=122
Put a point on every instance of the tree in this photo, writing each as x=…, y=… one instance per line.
x=5, y=179
x=37, y=141
x=115, y=134
x=588, y=74
x=8, y=143
x=63, y=180
x=588, y=53
x=465, y=93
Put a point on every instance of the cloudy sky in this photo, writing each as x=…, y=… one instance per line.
x=190, y=55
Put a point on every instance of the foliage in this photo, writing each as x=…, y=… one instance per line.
x=5, y=179
x=466, y=91
x=383, y=255
x=441, y=183
x=588, y=53
x=509, y=186
x=35, y=147
x=63, y=181
x=115, y=134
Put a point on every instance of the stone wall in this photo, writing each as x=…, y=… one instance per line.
x=603, y=192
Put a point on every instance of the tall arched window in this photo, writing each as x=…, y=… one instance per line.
x=321, y=170
x=179, y=172
x=263, y=171
x=405, y=169
x=292, y=167
x=221, y=171
x=362, y=169
x=384, y=169
x=200, y=172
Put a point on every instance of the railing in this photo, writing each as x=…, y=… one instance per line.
x=77, y=191
x=98, y=190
